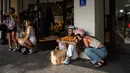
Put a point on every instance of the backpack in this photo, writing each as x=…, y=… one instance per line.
x=10, y=23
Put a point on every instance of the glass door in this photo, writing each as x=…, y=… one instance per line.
x=123, y=20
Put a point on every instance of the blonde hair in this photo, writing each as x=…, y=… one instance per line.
x=28, y=22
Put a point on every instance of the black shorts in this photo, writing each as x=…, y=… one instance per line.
x=13, y=30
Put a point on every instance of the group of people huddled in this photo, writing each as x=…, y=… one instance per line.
x=28, y=41
x=78, y=39
x=72, y=43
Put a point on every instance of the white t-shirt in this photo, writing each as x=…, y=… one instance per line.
x=95, y=43
x=31, y=33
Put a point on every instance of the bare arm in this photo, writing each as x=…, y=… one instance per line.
x=58, y=40
x=86, y=42
x=26, y=37
x=23, y=33
x=68, y=42
x=27, y=33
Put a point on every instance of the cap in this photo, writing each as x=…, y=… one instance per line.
x=71, y=27
x=80, y=31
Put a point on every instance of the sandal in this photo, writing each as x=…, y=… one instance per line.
x=98, y=64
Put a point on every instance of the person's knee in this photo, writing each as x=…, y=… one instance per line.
x=9, y=36
x=20, y=42
x=72, y=47
x=88, y=51
x=62, y=46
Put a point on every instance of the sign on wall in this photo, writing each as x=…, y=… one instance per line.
x=82, y=3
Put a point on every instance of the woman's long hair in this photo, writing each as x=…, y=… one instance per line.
x=29, y=24
x=80, y=43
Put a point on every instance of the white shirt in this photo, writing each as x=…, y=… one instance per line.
x=95, y=43
x=31, y=33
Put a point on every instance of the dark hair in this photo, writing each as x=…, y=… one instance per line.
x=79, y=35
x=13, y=10
x=80, y=43
x=29, y=21
x=72, y=30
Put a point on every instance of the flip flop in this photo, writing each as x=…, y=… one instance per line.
x=98, y=64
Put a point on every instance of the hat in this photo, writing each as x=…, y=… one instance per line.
x=80, y=31
x=71, y=27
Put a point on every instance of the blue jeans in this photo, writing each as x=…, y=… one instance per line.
x=96, y=55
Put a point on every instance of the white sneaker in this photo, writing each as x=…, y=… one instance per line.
x=31, y=51
x=23, y=50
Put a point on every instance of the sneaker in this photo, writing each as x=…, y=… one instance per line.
x=10, y=49
x=66, y=61
x=31, y=51
x=23, y=50
x=15, y=49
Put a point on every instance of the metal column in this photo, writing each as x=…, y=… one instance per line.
x=37, y=28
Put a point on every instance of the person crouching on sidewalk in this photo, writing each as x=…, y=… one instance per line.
x=29, y=39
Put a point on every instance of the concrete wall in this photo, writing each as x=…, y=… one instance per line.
x=84, y=17
x=90, y=17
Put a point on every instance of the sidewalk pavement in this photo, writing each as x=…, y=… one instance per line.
x=15, y=62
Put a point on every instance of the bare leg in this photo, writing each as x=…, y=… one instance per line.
x=29, y=43
x=26, y=43
x=28, y=46
x=9, y=40
x=14, y=39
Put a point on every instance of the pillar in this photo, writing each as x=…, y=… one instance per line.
x=4, y=6
x=90, y=17
x=8, y=5
x=37, y=26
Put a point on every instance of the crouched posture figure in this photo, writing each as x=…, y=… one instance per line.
x=68, y=44
x=29, y=39
x=94, y=49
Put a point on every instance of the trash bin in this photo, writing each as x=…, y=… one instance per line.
x=2, y=34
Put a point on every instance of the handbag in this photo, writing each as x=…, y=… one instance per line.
x=57, y=56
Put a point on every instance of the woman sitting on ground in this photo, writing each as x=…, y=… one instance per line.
x=94, y=49
x=29, y=39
